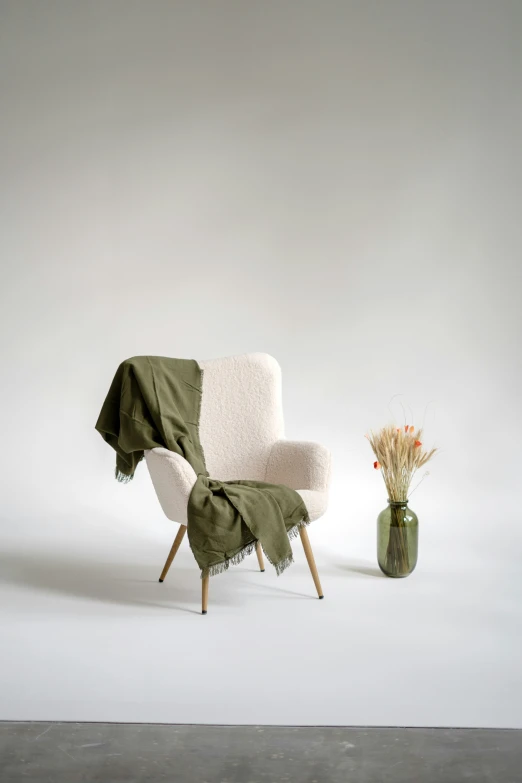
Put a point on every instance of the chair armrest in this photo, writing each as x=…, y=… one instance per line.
x=173, y=478
x=299, y=465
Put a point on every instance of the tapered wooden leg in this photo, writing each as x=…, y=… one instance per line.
x=175, y=546
x=204, y=594
x=260, y=560
x=311, y=562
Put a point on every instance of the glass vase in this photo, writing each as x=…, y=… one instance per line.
x=397, y=539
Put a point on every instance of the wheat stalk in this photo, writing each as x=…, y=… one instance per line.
x=400, y=455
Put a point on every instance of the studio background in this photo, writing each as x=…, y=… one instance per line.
x=337, y=184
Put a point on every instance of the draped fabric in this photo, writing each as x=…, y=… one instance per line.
x=156, y=401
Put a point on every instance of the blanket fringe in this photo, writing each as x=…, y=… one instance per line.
x=294, y=531
x=122, y=477
x=220, y=568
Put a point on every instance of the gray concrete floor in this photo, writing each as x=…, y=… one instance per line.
x=134, y=753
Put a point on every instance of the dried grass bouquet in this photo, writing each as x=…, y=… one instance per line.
x=400, y=454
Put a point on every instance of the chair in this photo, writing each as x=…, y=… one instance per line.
x=242, y=433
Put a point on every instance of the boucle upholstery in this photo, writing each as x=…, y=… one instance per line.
x=242, y=433
x=173, y=478
x=241, y=415
x=299, y=464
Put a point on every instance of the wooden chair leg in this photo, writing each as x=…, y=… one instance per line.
x=259, y=552
x=311, y=562
x=204, y=594
x=175, y=546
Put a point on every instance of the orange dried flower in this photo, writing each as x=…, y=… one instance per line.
x=417, y=443
x=376, y=465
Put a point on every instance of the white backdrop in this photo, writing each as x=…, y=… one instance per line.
x=335, y=183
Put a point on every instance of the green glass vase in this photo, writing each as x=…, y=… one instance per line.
x=397, y=539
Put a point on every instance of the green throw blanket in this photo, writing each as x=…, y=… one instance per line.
x=155, y=401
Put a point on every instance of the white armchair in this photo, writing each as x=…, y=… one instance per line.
x=242, y=433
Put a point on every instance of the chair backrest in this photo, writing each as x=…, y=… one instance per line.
x=241, y=415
